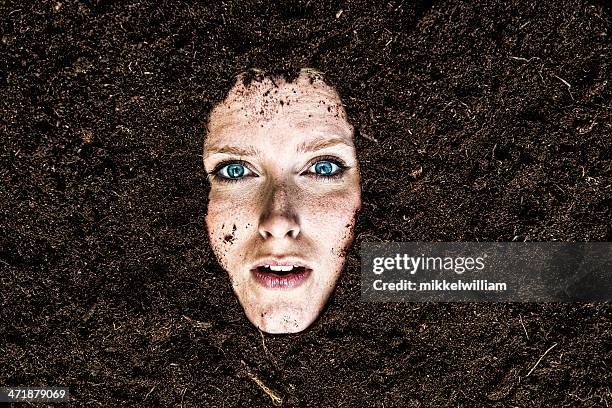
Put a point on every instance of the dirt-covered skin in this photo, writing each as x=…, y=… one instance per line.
x=475, y=120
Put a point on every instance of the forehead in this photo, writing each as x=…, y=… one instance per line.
x=306, y=107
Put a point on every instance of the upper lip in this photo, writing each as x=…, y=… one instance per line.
x=280, y=262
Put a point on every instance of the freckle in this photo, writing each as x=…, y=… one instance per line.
x=234, y=228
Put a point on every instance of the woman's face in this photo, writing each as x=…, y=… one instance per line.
x=284, y=193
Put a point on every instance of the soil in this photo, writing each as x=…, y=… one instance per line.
x=476, y=121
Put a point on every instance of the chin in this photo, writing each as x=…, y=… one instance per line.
x=283, y=320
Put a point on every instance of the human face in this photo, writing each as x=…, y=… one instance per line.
x=284, y=194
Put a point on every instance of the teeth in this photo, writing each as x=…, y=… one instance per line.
x=280, y=268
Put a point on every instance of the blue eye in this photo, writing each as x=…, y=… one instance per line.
x=233, y=171
x=325, y=168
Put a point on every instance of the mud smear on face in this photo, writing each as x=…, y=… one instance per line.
x=270, y=101
x=230, y=238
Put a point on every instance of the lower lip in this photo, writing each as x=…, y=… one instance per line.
x=273, y=281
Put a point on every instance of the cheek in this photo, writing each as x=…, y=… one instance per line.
x=227, y=221
x=332, y=220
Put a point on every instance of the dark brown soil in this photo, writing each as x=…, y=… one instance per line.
x=477, y=120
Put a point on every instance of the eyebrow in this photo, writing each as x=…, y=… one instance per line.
x=305, y=147
x=320, y=143
x=235, y=150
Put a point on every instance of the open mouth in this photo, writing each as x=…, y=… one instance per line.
x=286, y=276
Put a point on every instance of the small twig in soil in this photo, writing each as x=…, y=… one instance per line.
x=524, y=59
x=521, y=320
x=149, y=393
x=263, y=342
x=569, y=87
x=540, y=359
x=370, y=138
x=276, y=399
x=197, y=323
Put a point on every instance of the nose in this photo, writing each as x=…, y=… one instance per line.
x=278, y=218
